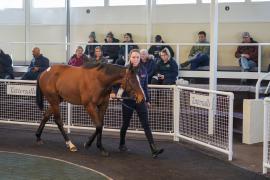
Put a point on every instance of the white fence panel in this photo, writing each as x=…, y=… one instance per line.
x=206, y=117
x=266, y=136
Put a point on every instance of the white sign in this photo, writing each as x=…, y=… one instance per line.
x=24, y=90
x=200, y=101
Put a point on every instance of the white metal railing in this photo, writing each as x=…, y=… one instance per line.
x=258, y=84
x=210, y=125
x=170, y=114
x=178, y=47
x=266, y=137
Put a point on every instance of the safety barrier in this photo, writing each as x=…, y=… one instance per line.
x=197, y=115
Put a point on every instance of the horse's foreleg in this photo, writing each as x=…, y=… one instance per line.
x=60, y=125
x=91, y=140
x=95, y=116
x=46, y=117
x=101, y=112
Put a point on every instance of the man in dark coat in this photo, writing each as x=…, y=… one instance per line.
x=6, y=70
x=38, y=64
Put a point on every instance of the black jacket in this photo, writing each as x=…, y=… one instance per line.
x=5, y=66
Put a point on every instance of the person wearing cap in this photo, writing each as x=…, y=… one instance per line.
x=111, y=52
x=155, y=49
x=166, y=70
x=90, y=49
x=78, y=59
x=247, y=55
x=199, y=55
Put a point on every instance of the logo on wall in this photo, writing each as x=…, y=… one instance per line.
x=24, y=90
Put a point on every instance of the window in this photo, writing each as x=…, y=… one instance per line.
x=5, y=4
x=223, y=1
x=49, y=3
x=160, y=2
x=86, y=3
x=126, y=2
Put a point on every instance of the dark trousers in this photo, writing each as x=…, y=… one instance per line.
x=30, y=75
x=199, y=60
x=162, y=82
x=143, y=117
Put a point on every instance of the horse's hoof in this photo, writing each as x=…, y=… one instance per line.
x=105, y=153
x=86, y=145
x=39, y=142
x=73, y=149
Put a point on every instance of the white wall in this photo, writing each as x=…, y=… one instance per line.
x=176, y=23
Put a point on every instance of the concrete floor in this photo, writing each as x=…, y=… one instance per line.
x=180, y=160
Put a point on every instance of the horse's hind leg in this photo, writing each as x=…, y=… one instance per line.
x=46, y=117
x=60, y=124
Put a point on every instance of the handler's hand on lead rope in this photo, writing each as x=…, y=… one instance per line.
x=112, y=96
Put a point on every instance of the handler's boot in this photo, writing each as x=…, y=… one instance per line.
x=155, y=151
x=123, y=148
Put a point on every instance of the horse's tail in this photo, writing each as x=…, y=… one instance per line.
x=39, y=96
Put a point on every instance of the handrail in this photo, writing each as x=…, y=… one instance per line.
x=258, y=84
x=138, y=43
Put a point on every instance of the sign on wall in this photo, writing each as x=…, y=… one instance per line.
x=24, y=90
x=201, y=101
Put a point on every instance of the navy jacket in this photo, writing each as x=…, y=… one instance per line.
x=41, y=62
x=150, y=66
x=169, y=69
x=5, y=66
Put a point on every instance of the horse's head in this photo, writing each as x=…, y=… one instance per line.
x=131, y=84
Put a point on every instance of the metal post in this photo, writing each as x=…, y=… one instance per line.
x=67, y=39
x=69, y=117
x=177, y=58
x=149, y=14
x=265, y=135
x=176, y=109
x=126, y=54
x=259, y=58
x=213, y=44
x=213, y=62
x=230, y=130
x=27, y=8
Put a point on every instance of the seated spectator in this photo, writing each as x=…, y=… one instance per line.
x=6, y=70
x=90, y=49
x=148, y=62
x=127, y=39
x=247, y=55
x=38, y=64
x=199, y=55
x=98, y=56
x=155, y=49
x=111, y=52
x=78, y=58
x=166, y=70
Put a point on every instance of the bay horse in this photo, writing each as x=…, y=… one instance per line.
x=89, y=85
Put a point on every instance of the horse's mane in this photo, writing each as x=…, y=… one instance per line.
x=108, y=69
